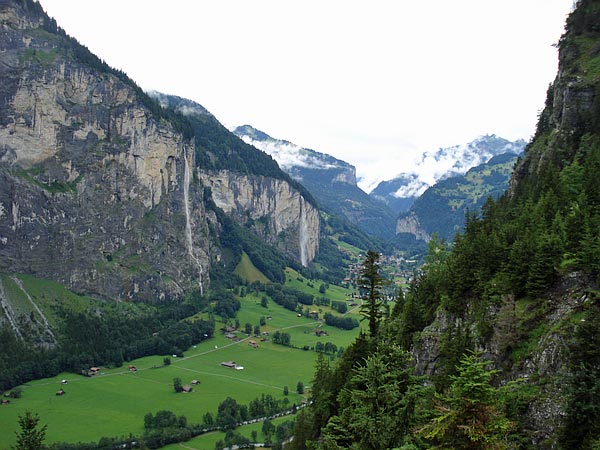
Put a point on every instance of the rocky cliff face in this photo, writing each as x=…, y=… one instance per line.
x=532, y=337
x=410, y=224
x=91, y=183
x=332, y=182
x=99, y=187
x=276, y=211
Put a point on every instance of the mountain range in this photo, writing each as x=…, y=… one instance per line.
x=330, y=180
x=122, y=195
x=146, y=203
x=430, y=199
x=430, y=167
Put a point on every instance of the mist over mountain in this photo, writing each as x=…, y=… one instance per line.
x=330, y=180
x=442, y=207
x=400, y=192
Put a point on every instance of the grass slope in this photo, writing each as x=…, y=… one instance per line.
x=115, y=402
x=248, y=271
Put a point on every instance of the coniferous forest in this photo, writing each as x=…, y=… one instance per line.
x=524, y=270
x=491, y=344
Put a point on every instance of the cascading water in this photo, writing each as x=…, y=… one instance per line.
x=188, y=224
x=303, y=234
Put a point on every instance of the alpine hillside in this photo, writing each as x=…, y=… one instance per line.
x=494, y=344
x=399, y=193
x=331, y=181
x=112, y=194
x=441, y=209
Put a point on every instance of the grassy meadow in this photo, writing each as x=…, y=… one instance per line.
x=114, y=402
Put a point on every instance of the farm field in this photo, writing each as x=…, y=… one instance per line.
x=207, y=441
x=114, y=402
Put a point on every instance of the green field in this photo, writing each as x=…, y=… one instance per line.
x=248, y=271
x=207, y=441
x=114, y=403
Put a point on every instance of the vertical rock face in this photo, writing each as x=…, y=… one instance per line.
x=91, y=183
x=277, y=212
x=410, y=224
x=99, y=188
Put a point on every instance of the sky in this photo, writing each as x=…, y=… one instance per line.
x=374, y=83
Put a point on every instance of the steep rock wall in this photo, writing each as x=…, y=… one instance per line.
x=410, y=224
x=278, y=212
x=91, y=184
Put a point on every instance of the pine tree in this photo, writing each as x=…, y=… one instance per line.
x=370, y=285
x=30, y=438
x=467, y=416
x=377, y=405
x=582, y=425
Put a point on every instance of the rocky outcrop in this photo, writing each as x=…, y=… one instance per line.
x=99, y=185
x=410, y=224
x=91, y=182
x=276, y=211
x=347, y=176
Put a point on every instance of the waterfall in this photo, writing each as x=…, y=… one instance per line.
x=188, y=224
x=303, y=234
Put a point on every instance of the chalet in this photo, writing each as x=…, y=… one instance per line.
x=60, y=392
x=94, y=370
x=230, y=364
x=195, y=382
x=321, y=333
x=5, y=401
x=63, y=381
x=252, y=343
x=187, y=389
x=132, y=368
x=230, y=336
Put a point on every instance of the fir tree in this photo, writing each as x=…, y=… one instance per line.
x=30, y=437
x=370, y=285
x=468, y=416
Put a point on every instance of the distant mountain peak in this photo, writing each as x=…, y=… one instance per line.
x=179, y=104
x=330, y=180
x=440, y=164
x=250, y=131
x=293, y=158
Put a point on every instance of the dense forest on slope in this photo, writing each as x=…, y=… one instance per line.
x=501, y=328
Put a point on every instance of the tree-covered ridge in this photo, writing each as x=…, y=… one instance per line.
x=520, y=284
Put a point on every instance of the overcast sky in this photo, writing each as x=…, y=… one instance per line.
x=371, y=82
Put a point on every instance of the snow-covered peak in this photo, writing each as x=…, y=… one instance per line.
x=289, y=156
x=433, y=166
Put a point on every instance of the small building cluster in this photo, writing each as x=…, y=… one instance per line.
x=91, y=371
x=232, y=365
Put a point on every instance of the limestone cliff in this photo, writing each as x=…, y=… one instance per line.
x=99, y=184
x=409, y=223
x=92, y=183
x=272, y=207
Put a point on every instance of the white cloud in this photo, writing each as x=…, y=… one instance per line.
x=371, y=83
